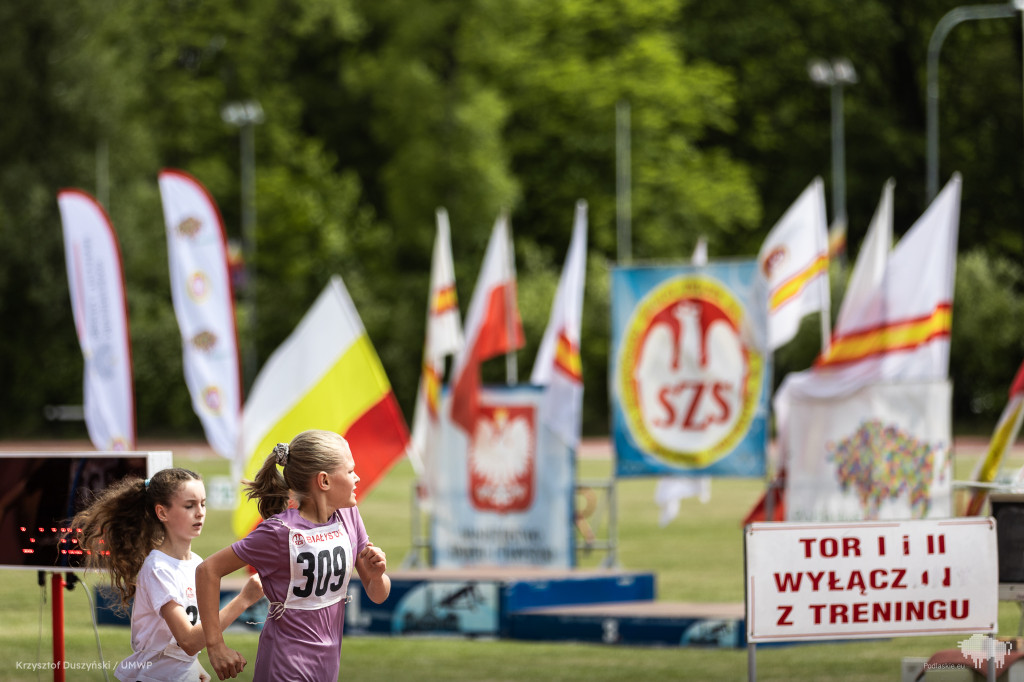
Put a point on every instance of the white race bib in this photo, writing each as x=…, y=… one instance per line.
x=321, y=565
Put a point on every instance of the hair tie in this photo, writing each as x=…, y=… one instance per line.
x=146, y=483
x=281, y=453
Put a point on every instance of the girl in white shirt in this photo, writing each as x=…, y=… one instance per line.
x=141, y=531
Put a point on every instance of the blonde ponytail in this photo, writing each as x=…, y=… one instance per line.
x=309, y=452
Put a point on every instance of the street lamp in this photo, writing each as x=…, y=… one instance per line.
x=245, y=115
x=942, y=29
x=835, y=75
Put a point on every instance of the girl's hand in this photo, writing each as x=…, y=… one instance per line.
x=372, y=560
x=225, y=662
x=252, y=591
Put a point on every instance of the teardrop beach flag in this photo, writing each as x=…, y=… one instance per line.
x=326, y=375
x=558, y=366
x=96, y=284
x=443, y=338
x=794, y=262
x=204, y=305
x=493, y=325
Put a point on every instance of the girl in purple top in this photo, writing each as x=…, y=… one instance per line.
x=304, y=557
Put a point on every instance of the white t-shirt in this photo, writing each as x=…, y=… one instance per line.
x=157, y=657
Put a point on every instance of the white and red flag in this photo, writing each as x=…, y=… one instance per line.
x=204, y=305
x=100, y=309
x=443, y=338
x=493, y=325
x=558, y=366
x=794, y=262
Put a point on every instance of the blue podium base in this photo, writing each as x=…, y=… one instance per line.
x=634, y=623
x=605, y=606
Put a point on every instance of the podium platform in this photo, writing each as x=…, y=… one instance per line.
x=604, y=606
x=634, y=623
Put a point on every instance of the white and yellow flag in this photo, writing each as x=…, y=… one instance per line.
x=100, y=310
x=443, y=338
x=204, y=306
x=794, y=262
x=558, y=366
x=326, y=375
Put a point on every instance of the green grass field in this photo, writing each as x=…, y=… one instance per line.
x=698, y=557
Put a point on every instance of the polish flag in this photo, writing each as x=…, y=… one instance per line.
x=492, y=325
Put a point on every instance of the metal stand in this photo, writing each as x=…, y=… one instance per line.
x=591, y=516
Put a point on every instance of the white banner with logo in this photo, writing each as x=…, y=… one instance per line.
x=506, y=497
x=879, y=453
x=204, y=305
x=690, y=377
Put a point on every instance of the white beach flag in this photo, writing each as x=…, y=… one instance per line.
x=443, y=338
x=204, y=305
x=96, y=284
x=868, y=271
x=794, y=261
x=558, y=366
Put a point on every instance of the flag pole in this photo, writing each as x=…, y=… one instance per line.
x=511, y=366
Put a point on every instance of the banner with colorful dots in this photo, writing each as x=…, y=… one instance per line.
x=882, y=453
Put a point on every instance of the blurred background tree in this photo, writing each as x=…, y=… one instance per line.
x=376, y=113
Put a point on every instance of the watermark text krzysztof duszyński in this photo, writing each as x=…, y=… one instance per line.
x=37, y=666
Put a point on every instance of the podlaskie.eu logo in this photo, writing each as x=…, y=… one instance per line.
x=688, y=373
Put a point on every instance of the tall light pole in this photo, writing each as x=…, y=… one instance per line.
x=949, y=20
x=834, y=75
x=244, y=116
x=623, y=183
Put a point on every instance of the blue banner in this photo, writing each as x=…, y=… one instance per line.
x=690, y=376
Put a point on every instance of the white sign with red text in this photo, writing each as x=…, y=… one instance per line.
x=870, y=579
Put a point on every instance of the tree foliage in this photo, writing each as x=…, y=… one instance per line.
x=377, y=113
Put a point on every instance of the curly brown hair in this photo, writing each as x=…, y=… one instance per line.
x=119, y=527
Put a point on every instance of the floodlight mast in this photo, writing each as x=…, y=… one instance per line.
x=244, y=116
x=946, y=24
